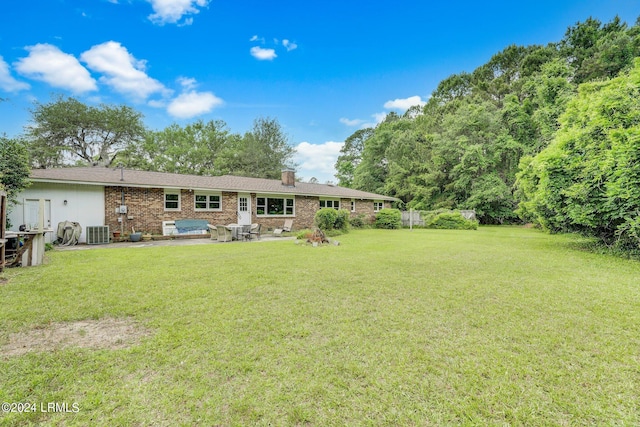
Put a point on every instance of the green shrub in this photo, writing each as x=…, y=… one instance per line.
x=451, y=221
x=428, y=216
x=327, y=219
x=389, y=219
x=342, y=220
x=357, y=221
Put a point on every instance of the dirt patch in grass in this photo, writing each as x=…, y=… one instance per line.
x=106, y=333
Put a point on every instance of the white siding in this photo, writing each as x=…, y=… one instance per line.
x=85, y=205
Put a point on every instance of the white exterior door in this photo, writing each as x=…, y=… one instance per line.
x=244, y=209
x=31, y=213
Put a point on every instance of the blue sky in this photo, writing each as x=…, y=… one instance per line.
x=323, y=69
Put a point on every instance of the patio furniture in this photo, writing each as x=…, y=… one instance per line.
x=191, y=226
x=245, y=232
x=213, y=230
x=288, y=223
x=224, y=233
x=235, y=229
x=255, y=230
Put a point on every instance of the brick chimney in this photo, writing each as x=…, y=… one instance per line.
x=289, y=177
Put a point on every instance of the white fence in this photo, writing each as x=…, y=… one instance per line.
x=415, y=217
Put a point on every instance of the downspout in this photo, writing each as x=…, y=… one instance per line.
x=121, y=214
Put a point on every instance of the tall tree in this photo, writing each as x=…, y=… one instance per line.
x=66, y=130
x=14, y=166
x=350, y=156
x=261, y=153
x=189, y=150
x=598, y=51
x=463, y=149
x=588, y=179
x=373, y=170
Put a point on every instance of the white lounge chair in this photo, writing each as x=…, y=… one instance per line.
x=288, y=223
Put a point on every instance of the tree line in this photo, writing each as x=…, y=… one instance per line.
x=67, y=132
x=542, y=133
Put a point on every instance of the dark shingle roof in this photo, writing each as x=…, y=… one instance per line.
x=134, y=178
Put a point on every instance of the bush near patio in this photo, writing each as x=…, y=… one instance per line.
x=389, y=219
x=357, y=221
x=328, y=219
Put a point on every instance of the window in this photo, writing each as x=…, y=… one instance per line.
x=243, y=204
x=330, y=203
x=172, y=200
x=275, y=206
x=207, y=202
x=353, y=205
x=377, y=206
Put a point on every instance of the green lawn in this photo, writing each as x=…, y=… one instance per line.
x=500, y=326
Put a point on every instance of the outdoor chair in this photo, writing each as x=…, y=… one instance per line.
x=224, y=233
x=288, y=223
x=255, y=230
x=213, y=230
x=245, y=233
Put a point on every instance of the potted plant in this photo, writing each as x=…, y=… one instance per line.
x=146, y=236
x=135, y=237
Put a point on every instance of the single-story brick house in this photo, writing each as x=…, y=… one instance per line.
x=123, y=198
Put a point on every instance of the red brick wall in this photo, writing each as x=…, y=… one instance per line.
x=145, y=210
x=363, y=207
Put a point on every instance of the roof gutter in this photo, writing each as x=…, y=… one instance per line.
x=229, y=190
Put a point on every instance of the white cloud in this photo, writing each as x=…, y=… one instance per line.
x=289, y=45
x=157, y=103
x=404, y=104
x=171, y=11
x=349, y=122
x=187, y=83
x=49, y=64
x=263, y=54
x=191, y=104
x=7, y=82
x=317, y=160
x=121, y=70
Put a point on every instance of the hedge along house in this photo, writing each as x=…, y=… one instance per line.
x=124, y=199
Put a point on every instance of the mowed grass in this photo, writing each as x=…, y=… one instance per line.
x=500, y=326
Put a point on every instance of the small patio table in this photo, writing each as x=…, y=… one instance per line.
x=235, y=230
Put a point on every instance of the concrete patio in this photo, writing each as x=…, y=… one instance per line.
x=172, y=242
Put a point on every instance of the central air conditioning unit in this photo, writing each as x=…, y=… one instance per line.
x=98, y=235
